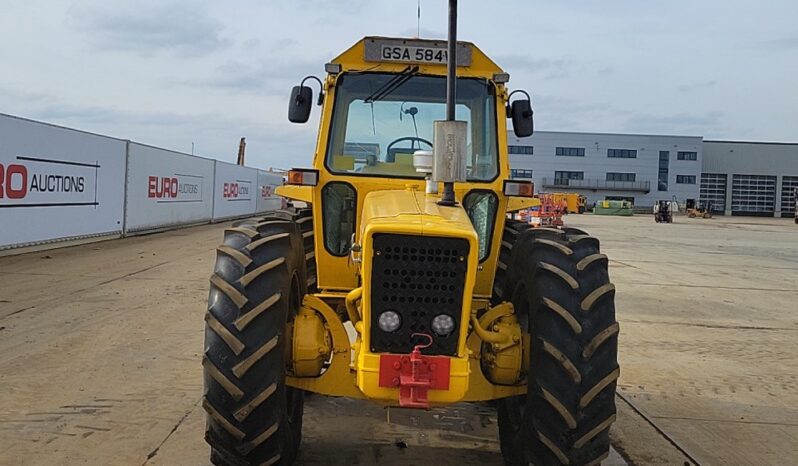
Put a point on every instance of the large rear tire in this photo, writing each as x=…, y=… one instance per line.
x=256, y=289
x=559, y=286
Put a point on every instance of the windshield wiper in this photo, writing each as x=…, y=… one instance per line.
x=392, y=84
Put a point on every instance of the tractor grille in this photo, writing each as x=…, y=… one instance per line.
x=418, y=277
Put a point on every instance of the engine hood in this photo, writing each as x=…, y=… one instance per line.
x=414, y=212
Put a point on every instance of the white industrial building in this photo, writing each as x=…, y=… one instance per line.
x=635, y=167
x=738, y=178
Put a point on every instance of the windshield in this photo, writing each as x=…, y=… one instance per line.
x=380, y=120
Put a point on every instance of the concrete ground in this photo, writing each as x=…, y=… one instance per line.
x=709, y=331
x=100, y=350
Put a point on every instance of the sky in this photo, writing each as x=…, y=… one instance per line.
x=175, y=73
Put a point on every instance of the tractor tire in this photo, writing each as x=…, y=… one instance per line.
x=304, y=218
x=512, y=229
x=256, y=289
x=558, y=283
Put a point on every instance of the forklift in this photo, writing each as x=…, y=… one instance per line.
x=698, y=210
x=663, y=212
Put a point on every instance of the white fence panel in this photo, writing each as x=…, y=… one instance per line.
x=267, y=199
x=166, y=188
x=234, y=191
x=57, y=183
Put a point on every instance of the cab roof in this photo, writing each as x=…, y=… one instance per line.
x=394, y=54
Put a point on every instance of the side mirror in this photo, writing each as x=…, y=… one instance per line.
x=299, y=105
x=301, y=101
x=521, y=113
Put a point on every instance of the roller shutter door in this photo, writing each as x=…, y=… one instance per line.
x=753, y=195
x=788, y=186
x=713, y=189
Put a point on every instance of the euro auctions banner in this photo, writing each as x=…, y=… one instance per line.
x=58, y=183
x=267, y=198
x=166, y=188
x=235, y=191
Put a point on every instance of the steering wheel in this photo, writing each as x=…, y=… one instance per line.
x=391, y=152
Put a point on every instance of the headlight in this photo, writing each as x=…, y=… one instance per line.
x=442, y=325
x=389, y=321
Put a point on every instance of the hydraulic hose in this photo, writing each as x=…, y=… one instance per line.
x=351, y=304
x=485, y=335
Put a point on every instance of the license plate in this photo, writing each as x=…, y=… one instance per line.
x=432, y=52
x=407, y=54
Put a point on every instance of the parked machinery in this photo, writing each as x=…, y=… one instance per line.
x=698, y=210
x=576, y=203
x=450, y=300
x=551, y=210
x=620, y=208
x=663, y=212
x=581, y=204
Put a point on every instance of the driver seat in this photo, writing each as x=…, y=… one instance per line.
x=390, y=157
x=403, y=167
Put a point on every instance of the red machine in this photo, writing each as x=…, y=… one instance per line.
x=550, y=213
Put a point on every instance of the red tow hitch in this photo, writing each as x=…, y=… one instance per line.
x=414, y=374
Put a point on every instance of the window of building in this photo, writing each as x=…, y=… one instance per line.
x=664, y=160
x=562, y=177
x=685, y=179
x=518, y=173
x=622, y=153
x=621, y=176
x=687, y=156
x=525, y=150
x=570, y=151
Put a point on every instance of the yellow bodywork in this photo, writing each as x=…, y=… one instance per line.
x=401, y=206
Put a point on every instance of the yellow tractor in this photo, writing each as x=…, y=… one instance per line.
x=400, y=231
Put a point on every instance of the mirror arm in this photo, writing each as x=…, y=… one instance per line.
x=511, y=95
x=321, y=88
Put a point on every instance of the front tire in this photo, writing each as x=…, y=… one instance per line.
x=256, y=288
x=559, y=286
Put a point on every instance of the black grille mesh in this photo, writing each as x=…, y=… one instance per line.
x=419, y=277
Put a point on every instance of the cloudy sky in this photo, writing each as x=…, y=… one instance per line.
x=170, y=73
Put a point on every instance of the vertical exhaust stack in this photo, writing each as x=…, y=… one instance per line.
x=449, y=140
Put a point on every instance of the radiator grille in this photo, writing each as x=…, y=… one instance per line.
x=418, y=277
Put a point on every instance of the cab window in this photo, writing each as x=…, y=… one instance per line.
x=379, y=121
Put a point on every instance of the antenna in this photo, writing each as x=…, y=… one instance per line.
x=418, y=21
